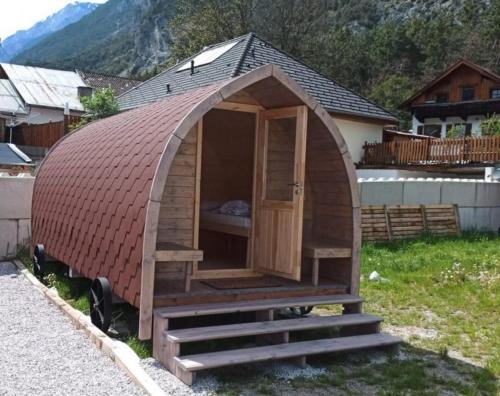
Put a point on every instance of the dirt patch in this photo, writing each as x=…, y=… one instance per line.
x=406, y=332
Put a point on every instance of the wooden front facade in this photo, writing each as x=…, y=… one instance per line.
x=280, y=170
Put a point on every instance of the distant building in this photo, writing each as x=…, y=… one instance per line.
x=463, y=96
x=43, y=93
x=34, y=100
x=119, y=85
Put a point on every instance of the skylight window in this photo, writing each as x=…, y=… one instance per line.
x=208, y=56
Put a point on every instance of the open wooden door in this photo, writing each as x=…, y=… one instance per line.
x=279, y=191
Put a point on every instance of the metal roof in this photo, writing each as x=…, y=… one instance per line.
x=10, y=101
x=12, y=156
x=247, y=53
x=45, y=87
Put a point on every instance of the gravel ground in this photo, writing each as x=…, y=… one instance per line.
x=41, y=353
x=204, y=385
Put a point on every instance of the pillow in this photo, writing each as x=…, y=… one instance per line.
x=235, y=208
x=208, y=206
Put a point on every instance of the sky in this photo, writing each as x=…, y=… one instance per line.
x=22, y=14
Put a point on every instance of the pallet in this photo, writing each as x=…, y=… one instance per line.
x=271, y=337
x=382, y=222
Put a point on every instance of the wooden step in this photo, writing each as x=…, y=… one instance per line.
x=268, y=327
x=210, y=360
x=254, y=305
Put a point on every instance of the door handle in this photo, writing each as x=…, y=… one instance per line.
x=299, y=187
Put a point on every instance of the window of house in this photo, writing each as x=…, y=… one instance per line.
x=458, y=130
x=495, y=93
x=432, y=130
x=442, y=97
x=207, y=56
x=468, y=93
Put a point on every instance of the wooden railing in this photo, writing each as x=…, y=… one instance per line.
x=463, y=151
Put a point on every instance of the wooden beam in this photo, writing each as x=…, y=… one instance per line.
x=244, y=107
x=196, y=223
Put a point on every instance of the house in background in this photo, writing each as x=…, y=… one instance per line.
x=44, y=93
x=98, y=81
x=37, y=105
x=11, y=108
x=463, y=96
x=358, y=119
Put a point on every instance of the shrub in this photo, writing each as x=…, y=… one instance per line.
x=491, y=126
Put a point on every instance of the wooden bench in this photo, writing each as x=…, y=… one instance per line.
x=320, y=250
x=173, y=252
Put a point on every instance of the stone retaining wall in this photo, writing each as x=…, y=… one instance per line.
x=15, y=214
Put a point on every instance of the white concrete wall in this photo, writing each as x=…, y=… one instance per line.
x=356, y=133
x=15, y=214
x=405, y=174
x=42, y=115
x=478, y=201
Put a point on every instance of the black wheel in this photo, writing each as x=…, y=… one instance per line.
x=39, y=261
x=301, y=311
x=100, y=303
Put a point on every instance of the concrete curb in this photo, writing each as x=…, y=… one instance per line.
x=123, y=356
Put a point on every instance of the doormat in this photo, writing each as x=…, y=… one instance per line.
x=242, y=283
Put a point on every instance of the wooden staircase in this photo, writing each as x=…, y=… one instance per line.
x=272, y=337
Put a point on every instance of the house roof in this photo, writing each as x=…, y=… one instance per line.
x=10, y=101
x=250, y=52
x=44, y=87
x=98, y=81
x=10, y=155
x=463, y=62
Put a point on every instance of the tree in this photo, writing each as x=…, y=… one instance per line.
x=491, y=126
x=199, y=23
x=101, y=104
x=391, y=92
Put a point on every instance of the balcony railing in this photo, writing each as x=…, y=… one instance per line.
x=442, y=152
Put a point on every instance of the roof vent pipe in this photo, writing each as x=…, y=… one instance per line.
x=192, y=66
x=168, y=88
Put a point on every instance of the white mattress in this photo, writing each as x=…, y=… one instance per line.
x=219, y=218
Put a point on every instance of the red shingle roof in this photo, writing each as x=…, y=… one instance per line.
x=92, y=190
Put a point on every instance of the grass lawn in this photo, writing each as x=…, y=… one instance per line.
x=441, y=294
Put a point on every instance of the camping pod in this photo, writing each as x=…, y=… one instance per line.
x=237, y=196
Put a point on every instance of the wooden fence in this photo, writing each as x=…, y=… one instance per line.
x=41, y=135
x=381, y=222
x=462, y=151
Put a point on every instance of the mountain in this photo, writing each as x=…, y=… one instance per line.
x=119, y=37
x=24, y=39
